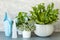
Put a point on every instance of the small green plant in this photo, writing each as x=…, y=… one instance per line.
x=29, y=26
x=24, y=22
x=21, y=18
x=44, y=15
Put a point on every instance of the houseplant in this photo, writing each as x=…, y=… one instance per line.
x=44, y=17
x=27, y=28
x=24, y=24
x=21, y=18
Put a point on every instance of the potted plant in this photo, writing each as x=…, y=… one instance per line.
x=24, y=25
x=44, y=17
x=21, y=18
x=27, y=28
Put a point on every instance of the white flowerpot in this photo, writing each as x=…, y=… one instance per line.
x=26, y=34
x=19, y=32
x=44, y=30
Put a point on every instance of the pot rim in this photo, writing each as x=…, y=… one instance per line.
x=43, y=24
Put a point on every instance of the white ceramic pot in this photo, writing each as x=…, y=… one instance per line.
x=19, y=32
x=44, y=30
x=26, y=34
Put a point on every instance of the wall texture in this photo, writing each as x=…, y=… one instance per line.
x=14, y=6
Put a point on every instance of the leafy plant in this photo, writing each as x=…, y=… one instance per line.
x=44, y=15
x=21, y=18
x=29, y=26
x=24, y=22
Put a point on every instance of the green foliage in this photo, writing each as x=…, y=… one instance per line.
x=24, y=23
x=44, y=15
x=29, y=26
x=21, y=18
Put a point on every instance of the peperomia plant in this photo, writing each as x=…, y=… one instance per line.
x=44, y=15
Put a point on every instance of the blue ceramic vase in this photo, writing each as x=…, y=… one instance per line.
x=7, y=25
